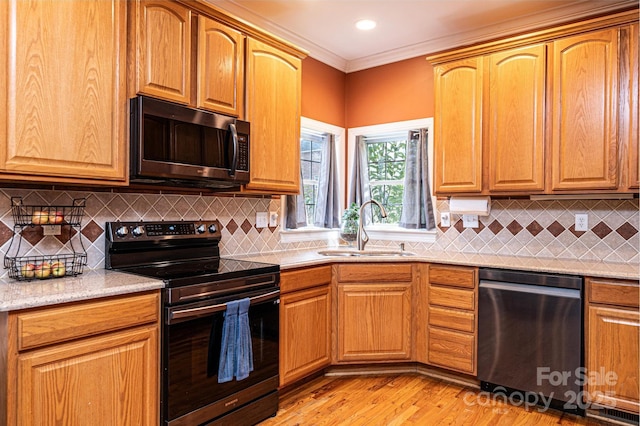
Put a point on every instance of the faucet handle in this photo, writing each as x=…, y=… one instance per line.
x=401, y=246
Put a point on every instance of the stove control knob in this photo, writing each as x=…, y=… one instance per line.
x=213, y=228
x=200, y=229
x=138, y=231
x=122, y=231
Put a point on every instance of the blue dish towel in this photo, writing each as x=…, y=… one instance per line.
x=236, y=352
x=244, y=358
x=227, y=366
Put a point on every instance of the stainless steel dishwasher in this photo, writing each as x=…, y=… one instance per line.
x=530, y=337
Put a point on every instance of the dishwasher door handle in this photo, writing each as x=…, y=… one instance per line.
x=531, y=289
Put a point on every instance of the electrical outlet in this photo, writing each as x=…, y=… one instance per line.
x=273, y=219
x=582, y=222
x=445, y=219
x=261, y=220
x=469, y=220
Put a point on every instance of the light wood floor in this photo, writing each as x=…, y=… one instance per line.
x=404, y=400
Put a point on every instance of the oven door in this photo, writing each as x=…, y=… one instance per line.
x=192, y=334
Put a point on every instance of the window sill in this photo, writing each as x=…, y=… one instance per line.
x=395, y=233
x=384, y=233
x=307, y=234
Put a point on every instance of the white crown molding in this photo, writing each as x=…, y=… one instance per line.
x=563, y=13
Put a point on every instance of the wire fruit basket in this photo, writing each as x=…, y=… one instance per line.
x=44, y=266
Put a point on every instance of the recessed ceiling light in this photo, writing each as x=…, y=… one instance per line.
x=365, y=24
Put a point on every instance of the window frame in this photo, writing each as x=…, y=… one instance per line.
x=311, y=232
x=394, y=232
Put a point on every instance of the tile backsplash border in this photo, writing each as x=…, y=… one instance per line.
x=518, y=227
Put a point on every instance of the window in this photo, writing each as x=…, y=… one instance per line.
x=386, y=148
x=386, y=156
x=313, y=137
x=311, y=148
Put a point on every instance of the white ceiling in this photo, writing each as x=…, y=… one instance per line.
x=406, y=28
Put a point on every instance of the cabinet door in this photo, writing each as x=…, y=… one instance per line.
x=305, y=332
x=163, y=50
x=515, y=119
x=107, y=380
x=458, y=127
x=273, y=109
x=63, y=89
x=584, y=111
x=220, y=67
x=612, y=349
x=634, y=161
x=374, y=322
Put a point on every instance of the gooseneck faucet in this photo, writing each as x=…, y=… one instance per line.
x=362, y=236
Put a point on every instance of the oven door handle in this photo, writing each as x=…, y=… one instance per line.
x=182, y=314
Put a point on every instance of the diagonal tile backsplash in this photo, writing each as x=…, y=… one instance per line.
x=515, y=227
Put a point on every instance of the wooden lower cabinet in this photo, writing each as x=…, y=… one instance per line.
x=374, y=310
x=305, y=323
x=452, y=325
x=81, y=364
x=612, y=342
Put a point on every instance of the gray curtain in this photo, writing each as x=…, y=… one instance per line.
x=296, y=211
x=359, y=187
x=417, y=208
x=328, y=203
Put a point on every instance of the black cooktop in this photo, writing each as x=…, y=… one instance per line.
x=202, y=270
x=179, y=253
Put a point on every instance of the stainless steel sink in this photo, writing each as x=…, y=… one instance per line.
x=371, y=252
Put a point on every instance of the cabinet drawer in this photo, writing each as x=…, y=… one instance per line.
x=452, y=349
x=614, y=292
x=452, y=318
x=304, y=278
x=457, y=276
x=452, y=298
x=389, y=272
x=61, y=323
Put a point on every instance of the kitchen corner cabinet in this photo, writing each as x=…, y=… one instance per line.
x=373, y=312
x=85, y=363
x=458, y=127
x=305, y=322
x=182, y=56
x=584, y=105
x=64, y=91
x=452, y=330
x=273, y=87
x=612, y=331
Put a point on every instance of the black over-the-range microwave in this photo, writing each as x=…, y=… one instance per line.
x=172, y=144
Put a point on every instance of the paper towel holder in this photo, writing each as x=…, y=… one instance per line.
x=480, y=206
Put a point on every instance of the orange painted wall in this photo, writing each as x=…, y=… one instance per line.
x=323, y=91
x=389, y=93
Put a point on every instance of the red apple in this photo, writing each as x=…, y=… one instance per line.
x=56, y=217
x=43, y=270
x=28, y=270
x=58, y=269
x=39, y=217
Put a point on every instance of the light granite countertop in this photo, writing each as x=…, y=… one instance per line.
x=310, y=257
x=93, y=284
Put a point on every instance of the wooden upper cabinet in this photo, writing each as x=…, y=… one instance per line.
x=458, y=126
x=273, y=88
x=220, y=67
x=163, y=50
x=584, y=103
x=515, y=119
x=634, y=79
x=63, y=89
